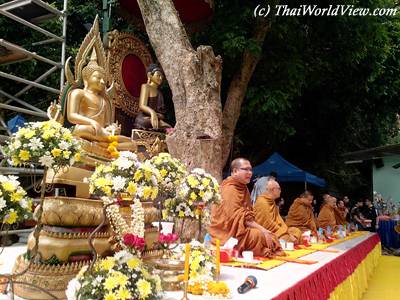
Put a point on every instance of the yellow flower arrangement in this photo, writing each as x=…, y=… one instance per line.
x=14, y=204
x=119, y=282
x=47, y=144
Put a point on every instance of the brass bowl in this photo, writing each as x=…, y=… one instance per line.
x=167, y=264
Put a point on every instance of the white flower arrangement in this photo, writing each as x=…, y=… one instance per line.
x=14, y=204
x=47, y=144
x=126, y=174
x=197, y=191
x=122, y=277
x=171, y=170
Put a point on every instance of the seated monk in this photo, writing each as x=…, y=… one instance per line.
x=91, y=110
x=301, y=214
x=234, y=216
x=151, y=102
x=326, y=216
x=267, y=214
x=341, y=212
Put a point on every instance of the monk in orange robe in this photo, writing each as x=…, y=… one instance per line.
x=326, y=215
x=234, y=216
x=301, y=214
x=341, y=212
x=267, y=214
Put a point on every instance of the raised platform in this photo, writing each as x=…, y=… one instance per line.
x=276, y=283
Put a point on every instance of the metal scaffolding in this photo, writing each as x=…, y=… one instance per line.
x=30, y=13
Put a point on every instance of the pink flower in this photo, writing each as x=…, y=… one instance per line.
x=168, y=238
x=133, y=241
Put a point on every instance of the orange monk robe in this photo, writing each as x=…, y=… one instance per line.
x=340, y=215
x=267, y=215
x=301, y=215
x=229, y=218
x=326, y=217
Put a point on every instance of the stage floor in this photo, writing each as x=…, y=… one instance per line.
x=270, y=283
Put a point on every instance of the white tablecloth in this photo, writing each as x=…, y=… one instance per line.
x=270, y=283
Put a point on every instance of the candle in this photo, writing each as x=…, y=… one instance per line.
x=187, y=255
x=218, y=258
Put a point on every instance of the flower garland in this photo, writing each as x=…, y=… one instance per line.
x=112, y=146
x=14, y=204
x=46, y=144
x=121, y=277
x=129, y=236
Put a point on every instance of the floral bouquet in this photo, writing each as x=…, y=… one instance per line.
x=171, y=170
x=125, y=174
x=121, y=277
x=46, y=144
x=197, y=191
x=201, y=272
x=14, y=205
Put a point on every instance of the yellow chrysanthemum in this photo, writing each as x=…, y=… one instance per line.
x=133, y=263
x=110, y=296
x=138, y=175
x=111, y=282
x=107, y=190
x=131, y=189
x=124, y=294
x=201, y=194
x=66, y=154
x=29, y=134
x=144, y=288
x=17, y=196
x=193, y=196
x=15, y=161
x=163, y=172
x=108, y=169
x=107, y=264
x=121, y=278
x=77, y=156
x=56, y=152
x=24, y=155
x=8, y=186
x=147, y=192
x=193, y=182
x=205, y=181
x=181, y=214
x=67, y=136
x=154, y=193
x=11, y=217
x=102, y=181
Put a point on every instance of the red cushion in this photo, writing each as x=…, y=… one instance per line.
x=133, y=74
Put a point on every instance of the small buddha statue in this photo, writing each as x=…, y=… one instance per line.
x=151, y=102
x=91, y=110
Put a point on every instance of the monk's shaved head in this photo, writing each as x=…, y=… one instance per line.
x=237, y=163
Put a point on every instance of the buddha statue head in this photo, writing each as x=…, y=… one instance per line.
x=93, y=75
x=154, y=74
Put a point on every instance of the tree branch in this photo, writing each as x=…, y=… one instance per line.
x=238, y=87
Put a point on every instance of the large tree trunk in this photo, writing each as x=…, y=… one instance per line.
x=200, y=138
x=195, y=81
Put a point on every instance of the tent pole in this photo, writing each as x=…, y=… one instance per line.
x=305, y=185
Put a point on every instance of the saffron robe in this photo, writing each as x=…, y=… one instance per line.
x=326, y=217
x=229, y=218
x=267, y=215
x=301, y=216
x=340, y=215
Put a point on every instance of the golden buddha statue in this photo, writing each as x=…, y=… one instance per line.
x=91, y=110
x=151, y=102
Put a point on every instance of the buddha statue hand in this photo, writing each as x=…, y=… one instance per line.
x=154, y=120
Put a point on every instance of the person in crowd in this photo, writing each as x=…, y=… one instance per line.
x=369, y=213
x=341, y=212
x=267, y=214
x=234, y=216
x=259, y=188
x=357, y=216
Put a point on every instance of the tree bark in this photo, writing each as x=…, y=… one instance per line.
x=201, y=137
x=195, y=81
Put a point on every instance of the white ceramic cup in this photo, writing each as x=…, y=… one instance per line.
x=314, y=240
x=283, y=244
x=247, y=255
x=167, y=227
x=289, y=246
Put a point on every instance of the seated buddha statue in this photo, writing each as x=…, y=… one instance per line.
x=151, y=102
x=91, y=110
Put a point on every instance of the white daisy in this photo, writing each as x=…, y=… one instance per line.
x=118, y=183
x=35, y=144
x=46, y=160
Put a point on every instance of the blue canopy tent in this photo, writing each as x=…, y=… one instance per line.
x=286, y=171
